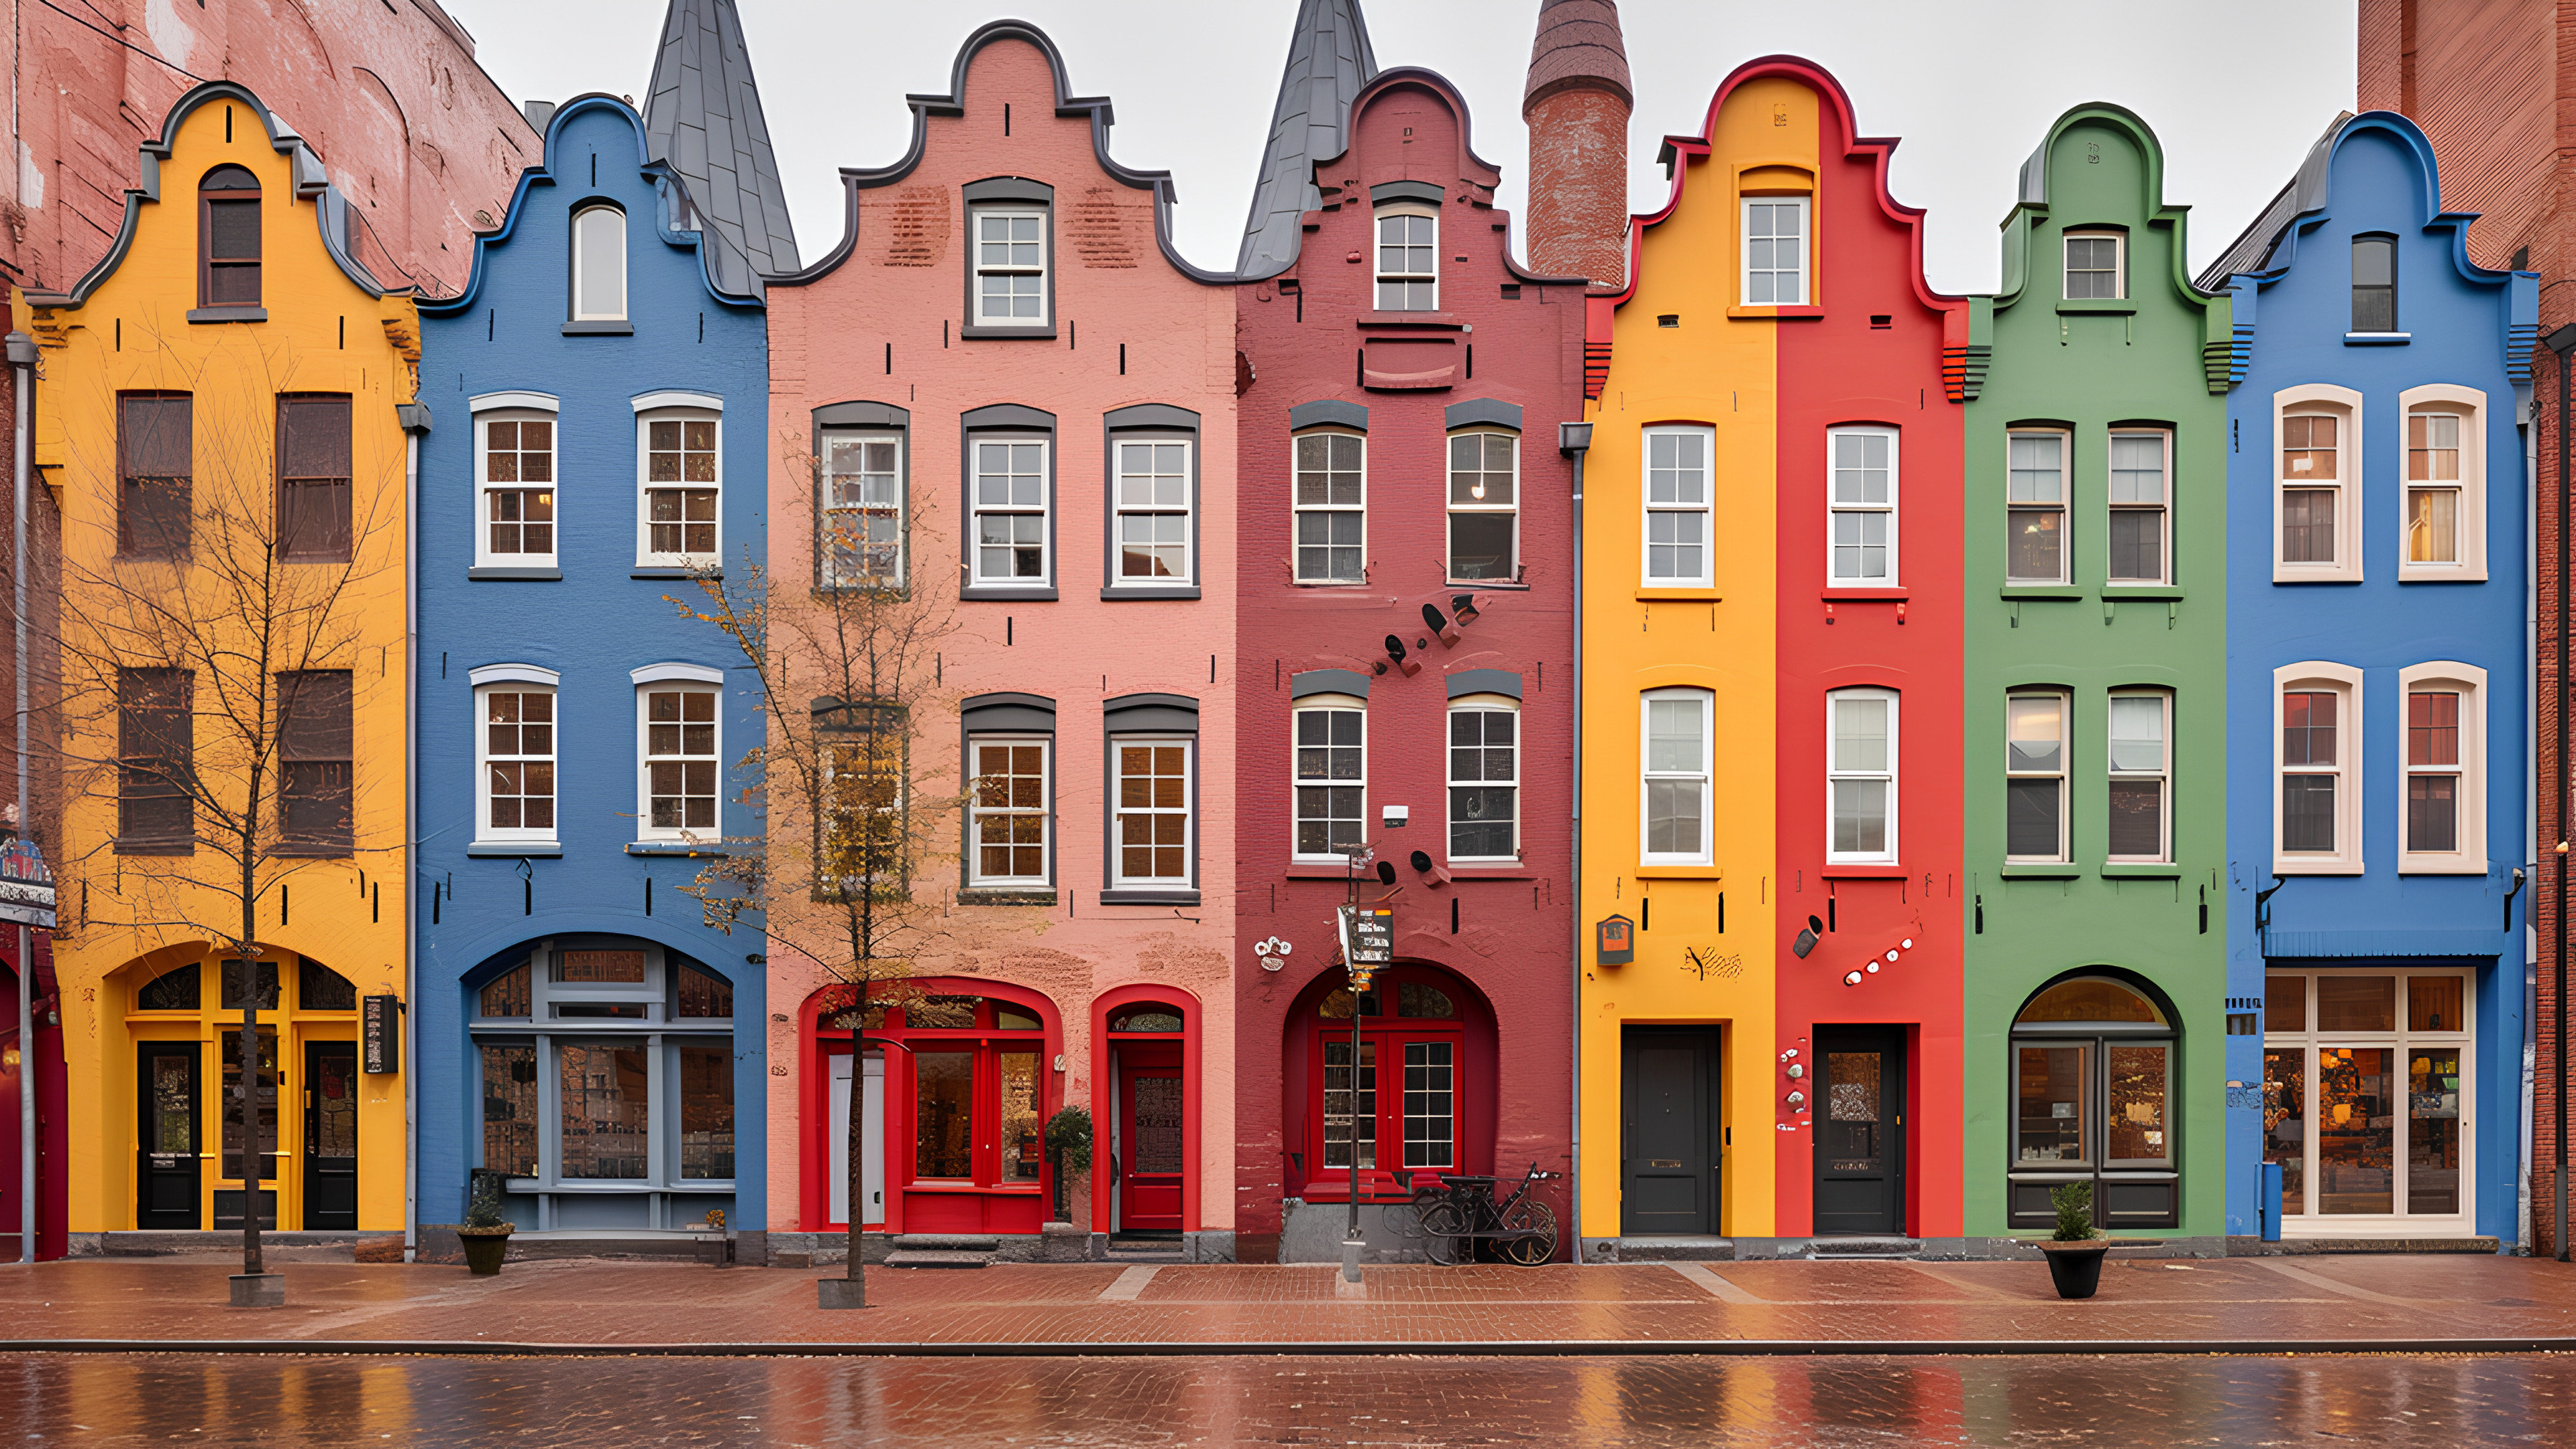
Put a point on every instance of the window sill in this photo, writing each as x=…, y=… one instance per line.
x=492, y=572
x=2042, y=870
x=314, y=852
x=1687, y=595
x=1833, y=595
x=2427, y=575
x=670, y=571
x=2141, y=870
x=1857, y=870
x=1148, y=898
x=1490, y=585
x=1782, y=312
x=2140, y=591
x=1447, y=321
x=1680, y=872
x=2281, y=575
x=513, y=849
x=1004, y=896
x=1327, y=870
x=987, y=593
x=2317, y=867
x=688, y=1185
x=2439, y=865
x=1029, y=334
x=2112, y=306
x=2377, y=339
x=227, y=314
x=599, y=329
x=1159, y=591
x=706, y=848
x=1472, y=871
x=2042, y=591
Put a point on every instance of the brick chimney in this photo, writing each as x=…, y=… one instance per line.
x=1577, y=106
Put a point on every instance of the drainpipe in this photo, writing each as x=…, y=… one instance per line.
x=22, y=359
x=415, y=420
x=2562, y=342
x=1574, y=440
x=2529, y=967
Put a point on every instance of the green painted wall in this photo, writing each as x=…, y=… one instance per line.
x=2085, y=367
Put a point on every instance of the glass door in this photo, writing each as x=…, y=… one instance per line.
x=331, y=1136
x=167, y=1186
x=2362, y=1103
x=257, y=1150
x=1860, y=1129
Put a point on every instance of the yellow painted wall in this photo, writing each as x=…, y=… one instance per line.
x=126, y=919
x=1717, y=367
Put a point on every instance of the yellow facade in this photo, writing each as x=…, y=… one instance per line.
x=131, y=916
x=1713, y=366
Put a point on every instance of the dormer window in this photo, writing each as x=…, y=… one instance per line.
x=228, y=238
x=1408, y=260
x=599, y=265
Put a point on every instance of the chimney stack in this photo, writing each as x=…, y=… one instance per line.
x=1577, y=106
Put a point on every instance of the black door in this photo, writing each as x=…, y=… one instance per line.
x=1859, y=1112
x=165, y=1178
x=331, y=1135
x=1669, y=1136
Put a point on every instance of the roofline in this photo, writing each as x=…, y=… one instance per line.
x=2033, y=199
x=2316, y=203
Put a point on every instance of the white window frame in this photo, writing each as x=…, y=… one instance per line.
x=1836, y=506
x=1378, y=277
x=1512, y=509
x=1704, y=510
x=583, y=220
x=1120, y=509
x=2064, y=506
x=979, y=270
x=2162, y=508
x=1188, y=878
x=513, y=407
x=976, y=509
x=2064, y=774
x=1323, y=704
x=2469, y=682
x=975, y=811
x=1804, y=210
x=1702, y=772
x=2318, y=676
x=684, y=409
x=828, y=510
x=2313, y=1042
x=666, y=678
x=2470, y=406
x=1299, y=510
x=2162, y=774
x=2119, y=263
x=2319, y=399
x=1481, y=704
x=1836, y=772
x=491, y=679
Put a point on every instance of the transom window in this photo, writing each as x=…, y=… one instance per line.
x=2139, y=536
x=2093, y=266
x=1154, y=511
x=1332, y=515
x=1484, y=518
x=1010, y=813
x=1011, y=511
x=1408, y=262
x=2141, y=770
x=1676, y=784
x=2035, y=509
x=1862, y=775
x=1775, y=251
x=863, y=522
x=1331, y=778
x=1484, y=781
x=682, y=483
x=2363, y=1103
x=518, y=488
x=680, y=764
x=1864, y=506
x=2035, y=776
x=1010, y=268
x=1677, y=505
x=1153, y=814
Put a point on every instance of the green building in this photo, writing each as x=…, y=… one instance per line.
x=2096, y=650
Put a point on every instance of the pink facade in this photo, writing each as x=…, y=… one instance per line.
x=1404, y=479
x=1091, y=433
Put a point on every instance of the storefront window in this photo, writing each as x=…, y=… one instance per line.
x=1023, y=1160
x=510, y=1109
x=2053, y=1114
x=607, y=1113
x=2094, y=1102
x=2362, y=1101
x=706, y=1110
x=943, y=1114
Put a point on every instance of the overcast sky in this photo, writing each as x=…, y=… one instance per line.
x=2237, y=91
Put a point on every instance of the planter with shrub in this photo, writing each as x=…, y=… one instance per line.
x=2076, y=1249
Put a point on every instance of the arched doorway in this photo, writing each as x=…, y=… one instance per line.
x=1146, y=1106
x=2095, y=1083
x=1411, y=1091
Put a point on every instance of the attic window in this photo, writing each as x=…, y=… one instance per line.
x=228, y=238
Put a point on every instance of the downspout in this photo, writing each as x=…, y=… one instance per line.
x=22, y=357
x=1574, y=440
x=2562, y=342
x=415, y=419
x=2529, y=966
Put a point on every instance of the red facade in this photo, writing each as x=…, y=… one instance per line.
x=1347, y=368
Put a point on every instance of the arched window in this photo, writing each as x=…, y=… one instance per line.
x=599, y=264
x=1410, y=1037
x=2094, y=1101
x=228, y=238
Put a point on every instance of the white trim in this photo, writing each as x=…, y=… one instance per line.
x=645, y=829
x=683, y=415
x=1043, y=214
x=2345, y=405
x=480, y=425
x=2344, y=681
x=826, y=510
x=661, y=673
x=2163, y=773
x=483, y=674
x=1705, y=510
x=1449, y=493
x=2119, y=261
x=1378, y=277
x=1188, y=879
x=2471, y=857
x=1835, y=507
x=1804, y=272
x=544, y=402
x=677, y=398
x=625, y=264
x=1891, y=773
x=2064, y=505
x=1324, y=704
x=1298, y=510
x=2064, y=774
x=977, y=509
x=1045, y=878
x=1480, y=704
x=1120, y=510
x=2163, y=509
x=2470, y=404
x=2312, y=1042
x=1704, y=774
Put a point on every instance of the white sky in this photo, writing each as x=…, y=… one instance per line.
x=2237, y=91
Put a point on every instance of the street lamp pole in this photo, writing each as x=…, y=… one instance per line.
x=1352, y=1242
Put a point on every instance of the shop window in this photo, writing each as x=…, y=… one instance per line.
x=1415, y=1124
x=2363, y=1107
x=2096, y=1100
x=1332, y=508
x=973, y=1086
x=228, y=231
x=156, y=474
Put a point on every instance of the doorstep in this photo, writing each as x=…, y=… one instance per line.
x=2318, y=1247
x=290, y=1247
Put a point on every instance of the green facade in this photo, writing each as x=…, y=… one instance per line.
x=2153, y=358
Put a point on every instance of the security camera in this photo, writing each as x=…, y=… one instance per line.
x=1396, y=651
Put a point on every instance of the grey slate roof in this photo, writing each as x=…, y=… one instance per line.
x=1328, y=63
x=702, y=118
x=2252, y=250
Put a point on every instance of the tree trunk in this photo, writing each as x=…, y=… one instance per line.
x=252, y=1260
x=857, y=1161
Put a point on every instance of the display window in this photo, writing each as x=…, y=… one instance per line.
x=2362, y=1103
x=2096, y=1098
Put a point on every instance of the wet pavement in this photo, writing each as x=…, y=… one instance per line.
x=2053, y=1401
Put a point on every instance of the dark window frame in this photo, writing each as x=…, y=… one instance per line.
x=1146, y=422
x=1007, y=422
x=336, y=543
x=862, y=420
x=228, y=186
x=169, y=518
x=316, y=763
x=156, y=761
x=2375, y=294
x=1003, y=193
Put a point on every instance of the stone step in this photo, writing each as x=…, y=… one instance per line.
x=1864, y=1248
x=948, y=1242
x=1676, y=1249
x=922, y=1258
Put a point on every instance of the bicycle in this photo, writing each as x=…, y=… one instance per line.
x=1462, y=1213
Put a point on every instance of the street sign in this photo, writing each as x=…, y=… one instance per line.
x=380, y=1033
x=1368, y=936
x=26, y=886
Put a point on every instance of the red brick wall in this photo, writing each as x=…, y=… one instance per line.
x=1578, y=200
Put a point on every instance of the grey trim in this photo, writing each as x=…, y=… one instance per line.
x=1329, y=62
x=599, y=329
x=1133, y=592
x=505, y=572
x=703, y=118
x=1152, y=415
x=414, y=417
x=1006, y=415
x=989, y=594
x=227, y=314
x=1477, y=410
x=1004, y=418
x=1328, y=412
x=968, y=329
x=1010, y=188
x=1008, y=712
x=1158, y=898
x=1136, y=714
x=1386, y=191
x=1328, y=681
x=861, y=415
x=669, y=573
x=1150, y=418
x=1005, y=896
x=514, y=850
x=1485, y=681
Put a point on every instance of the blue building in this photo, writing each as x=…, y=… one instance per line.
x=600, y=387
x=2378, y=699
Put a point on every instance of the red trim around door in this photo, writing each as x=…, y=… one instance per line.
x=1104, y=1092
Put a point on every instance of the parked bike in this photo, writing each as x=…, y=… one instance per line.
x=1462, y=1213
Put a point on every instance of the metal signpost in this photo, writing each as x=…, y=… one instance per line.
x=26, y=898
x=1367, y=939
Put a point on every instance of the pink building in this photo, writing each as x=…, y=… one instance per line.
x=1040, y=395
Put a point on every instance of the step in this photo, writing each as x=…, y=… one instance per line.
x=1676, y=1248
x=948, y=1243
x=1865, y=1248
x=916, y=1258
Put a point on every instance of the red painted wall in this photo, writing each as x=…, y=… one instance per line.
x=1302, y=344
x=1845, y=368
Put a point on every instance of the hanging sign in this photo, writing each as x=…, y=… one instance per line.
x=26, y=886
x=1615, y=941
x=1368, y=936
x=380, y=1033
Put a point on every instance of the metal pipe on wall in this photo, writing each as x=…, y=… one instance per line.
x=1575, y=441
x=2563, y=343
x=22, y=357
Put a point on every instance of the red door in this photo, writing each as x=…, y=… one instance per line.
x=1149, y=1138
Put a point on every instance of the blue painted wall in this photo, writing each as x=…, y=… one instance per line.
x=2466, y=327
x=593, y=625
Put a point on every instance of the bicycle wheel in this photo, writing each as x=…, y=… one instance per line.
x=1442, y=1224
x=1537, y=1220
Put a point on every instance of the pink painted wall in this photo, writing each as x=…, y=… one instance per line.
x=902, y=284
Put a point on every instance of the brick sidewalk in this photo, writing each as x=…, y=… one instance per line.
x=612, y=1304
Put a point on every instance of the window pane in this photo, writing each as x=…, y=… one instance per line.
x=2432, y=525
x=2356, y=1128
x=2285, y=1003
x=2033, y=725
x=2433, y=1130
x=229, y=1048
x=2032, y=543
x=1022, y=1104
x=2308, y=525
x=1480, y=546
x=2308, y=727
x=1673, y=816
x=943, y=1113
x=1340, y=1122
x=2432, y=812
x=2308, y=447
x=706, y=1112
x=2137, y=1102
x=2356, y=1003
x=2036, y=467
x=2137, y=732
x=2285, y=1121
x=2138, y=544
x=2308, y=813
x=1673, y=735
x=2137, y=468
x=605, y=1112
x=1860, y=734
x=2137, y=809
x=2433, y=1004
x=603, y=263
x=1860, y=817
x=2051, y=1095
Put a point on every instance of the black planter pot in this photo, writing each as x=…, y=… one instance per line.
x=2076, y=1268
x=484, y=1249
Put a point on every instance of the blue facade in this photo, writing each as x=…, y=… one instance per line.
x=2378, y=698
x=609, y=1083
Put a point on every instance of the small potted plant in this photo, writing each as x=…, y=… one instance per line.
x=485, y=1233
x=2076, y=1249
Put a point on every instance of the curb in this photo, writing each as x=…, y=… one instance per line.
x=1330, y=1348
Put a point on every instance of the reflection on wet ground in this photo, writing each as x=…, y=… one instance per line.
x=2057, y=1401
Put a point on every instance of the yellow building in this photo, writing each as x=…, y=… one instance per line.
x=221, y=408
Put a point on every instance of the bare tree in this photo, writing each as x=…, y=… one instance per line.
x=211, y=651
x=849, y=669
